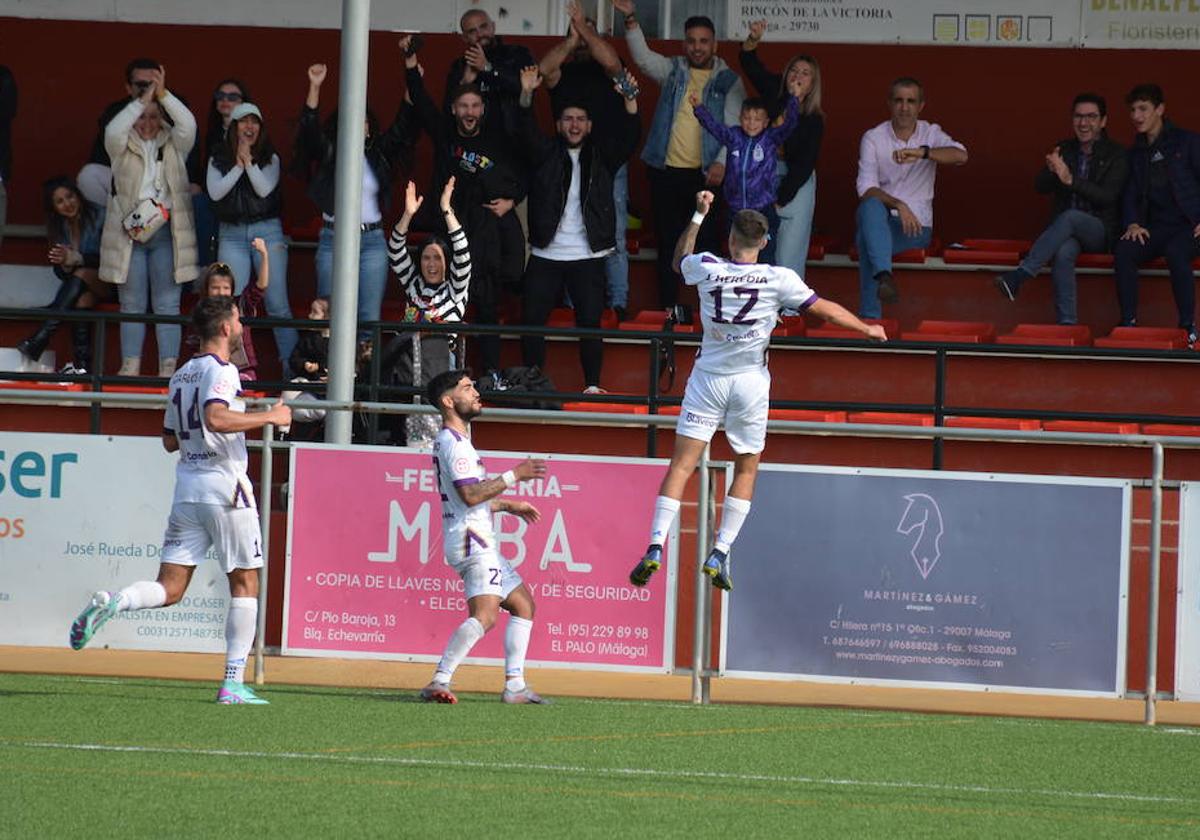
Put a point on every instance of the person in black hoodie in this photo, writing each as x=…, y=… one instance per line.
x=1160, y=207
x=470, y=143
x=572, y=224
x=316, y=158
x=1085, y=174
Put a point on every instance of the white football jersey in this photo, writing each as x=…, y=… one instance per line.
x=739, y=306
x=466, y=529
x=212, y=465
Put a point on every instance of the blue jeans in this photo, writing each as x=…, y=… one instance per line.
x=1071, y=233
x=236, y=251
x=616, y=264
x=878, y=237
x=795, y=227
x=205, y=219
x=372, y=273
x=151, y=281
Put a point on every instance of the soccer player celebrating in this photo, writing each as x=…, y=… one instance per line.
x=214, y=501
x=469, y=499
x=740, y=302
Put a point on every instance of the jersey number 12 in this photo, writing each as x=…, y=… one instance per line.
x=750, y=293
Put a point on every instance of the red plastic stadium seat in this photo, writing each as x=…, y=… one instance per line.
x=1094, y=261
x=669, y=410
x=1095, y=427
x=890, y=325
x=43, y=386
x=1145, y=338
x=652, y=320
x=607, y=407
x=1170, y=429
x=1021, y=246
x=804, y=415
x=913, y=256
x=790, y=325
x=971, y=256
x=563, y=317
x=967, y=332
x=133, y=389
x=890, y=418
x=1019, y=424
x=1062, y=335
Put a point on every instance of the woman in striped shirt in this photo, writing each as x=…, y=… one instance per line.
x=435, y=288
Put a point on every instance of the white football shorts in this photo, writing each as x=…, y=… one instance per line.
x=739, y=400
x=194, y=527
x=487, y=573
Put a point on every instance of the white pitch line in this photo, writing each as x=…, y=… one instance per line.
x=603, y=771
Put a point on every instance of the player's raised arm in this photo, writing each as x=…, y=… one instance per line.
x=687, y=240
x=484, y=491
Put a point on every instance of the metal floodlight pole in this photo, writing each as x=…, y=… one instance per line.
x=352, y=115
x=1155, y=569
x=264, y=523
x=700, y=623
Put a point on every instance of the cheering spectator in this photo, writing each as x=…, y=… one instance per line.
x=149, y=244
x=752, y=150
x=243, y=180
x=488, y=63
x=680, y=158
x=219, y=280
x=571, y=221
x=310, y=357
x=73, y=226
x=796, y=194
x=317, y=157
x=580, y=69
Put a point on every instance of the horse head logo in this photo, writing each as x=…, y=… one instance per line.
x=924, y=518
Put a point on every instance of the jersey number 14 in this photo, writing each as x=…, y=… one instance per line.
x=189, y=420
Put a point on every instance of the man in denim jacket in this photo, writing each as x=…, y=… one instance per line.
x=681, y=158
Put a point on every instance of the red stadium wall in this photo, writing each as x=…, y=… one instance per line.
x=1007, y=105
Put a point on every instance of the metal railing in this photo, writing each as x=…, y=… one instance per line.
x=702, y=617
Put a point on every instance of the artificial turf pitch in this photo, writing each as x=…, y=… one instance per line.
x=143, y=758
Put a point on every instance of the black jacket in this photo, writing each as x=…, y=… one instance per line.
x=504, y=80
x=242, y=205
x=1100, y=191
x=601, y=154
x=1182, y=152
x=385, y=153
x=8, y=110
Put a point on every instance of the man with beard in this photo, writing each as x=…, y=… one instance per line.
x=469, y=499
x=571, y=221
x=214, y=507
x=580, y=70
x=471, y=145
x=681, y=158
x=488, y=63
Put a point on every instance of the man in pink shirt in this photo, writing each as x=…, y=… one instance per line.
x=896, y=167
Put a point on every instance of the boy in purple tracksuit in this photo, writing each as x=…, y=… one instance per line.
x=751, y=158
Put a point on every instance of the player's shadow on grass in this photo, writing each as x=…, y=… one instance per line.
x=386, y=696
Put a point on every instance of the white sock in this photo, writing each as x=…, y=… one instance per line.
x=460, y=644
x=733, y=514
x=665, y=509
x=240, y=624
x=143, y=595
x=516, y=644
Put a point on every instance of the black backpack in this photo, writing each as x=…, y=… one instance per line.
x=525, y=380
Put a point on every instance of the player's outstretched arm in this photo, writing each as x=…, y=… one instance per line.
x=223, y=420
x=485, y=491
x=837, y=314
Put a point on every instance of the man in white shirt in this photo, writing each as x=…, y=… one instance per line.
x=214, y=503
x=740, y=302
x=469, y=498
x=571, y=230
x=897, y=163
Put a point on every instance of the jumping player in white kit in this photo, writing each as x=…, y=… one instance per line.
x=740, y=302
x=214, y=502
x=469, y=498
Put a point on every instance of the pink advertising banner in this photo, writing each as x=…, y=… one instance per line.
x=366, y=574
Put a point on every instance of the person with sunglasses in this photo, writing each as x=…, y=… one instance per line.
x=228, y=94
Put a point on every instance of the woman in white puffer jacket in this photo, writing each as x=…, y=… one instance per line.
x=148, y=162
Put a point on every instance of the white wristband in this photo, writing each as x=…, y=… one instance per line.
x=509, y=479
x=697, y=218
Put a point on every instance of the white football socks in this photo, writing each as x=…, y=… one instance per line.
x=665, y=509
x=460, y=644
x=516, y=644
x=241, y=622
x=733, y=514
x=143, y=595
